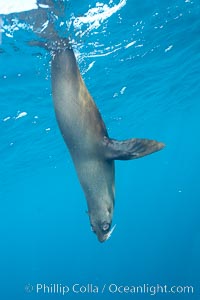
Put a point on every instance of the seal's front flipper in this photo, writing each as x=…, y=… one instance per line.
x=130, y=149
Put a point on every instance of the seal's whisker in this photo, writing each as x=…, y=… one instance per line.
x=110, y=232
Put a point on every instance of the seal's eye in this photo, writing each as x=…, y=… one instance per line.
x=92, y=228
x=109, y=209
x=105, y=226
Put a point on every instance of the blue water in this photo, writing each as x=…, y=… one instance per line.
x=142, y=66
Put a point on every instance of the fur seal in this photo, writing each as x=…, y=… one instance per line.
x=84, y=132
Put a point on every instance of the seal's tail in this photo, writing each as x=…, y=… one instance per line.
x=43, y=23
x=130, y=149
x=58, y=44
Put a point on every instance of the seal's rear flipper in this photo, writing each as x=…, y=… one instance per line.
x=130, y=149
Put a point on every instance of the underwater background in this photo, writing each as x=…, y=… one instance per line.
x=141, y=63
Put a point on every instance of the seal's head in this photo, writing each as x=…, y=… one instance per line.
x=101, y=227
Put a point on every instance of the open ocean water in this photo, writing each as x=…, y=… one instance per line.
x=141, y=63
